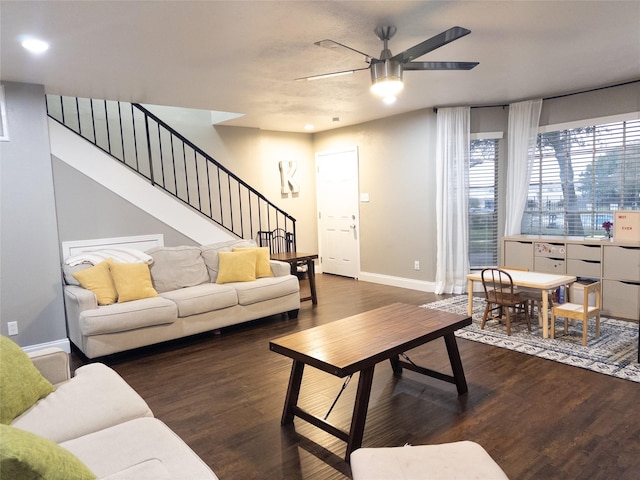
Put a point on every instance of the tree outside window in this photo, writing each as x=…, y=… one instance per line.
x=581, y=176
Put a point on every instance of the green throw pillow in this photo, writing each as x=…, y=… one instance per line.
x=21, y=383
x=25, y=455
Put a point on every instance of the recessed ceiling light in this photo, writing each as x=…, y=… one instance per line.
x=35, y=46
x=309, y=127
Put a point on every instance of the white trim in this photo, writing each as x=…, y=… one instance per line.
x=138, y=242
x=4, y=128
x=63, y=343
x=487, y=136
x=401, y=282
x=588, y=122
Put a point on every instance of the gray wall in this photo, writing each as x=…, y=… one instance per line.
x=397, y=170
x=87, y=210
x=31, y=290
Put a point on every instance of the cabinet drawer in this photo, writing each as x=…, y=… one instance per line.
x=584, y=268
x=621, y=299
x=622, y=263
x=518, y=254
x=584, y=252
x=549, y=265
x=548, y=249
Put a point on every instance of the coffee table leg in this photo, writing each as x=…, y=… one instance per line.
x=456, y=363
x=395, y=365
x=293, y=391
x=356, y=433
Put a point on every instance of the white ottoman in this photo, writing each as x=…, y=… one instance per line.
x=459, y=460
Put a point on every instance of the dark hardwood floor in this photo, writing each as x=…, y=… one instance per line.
x=223, y=394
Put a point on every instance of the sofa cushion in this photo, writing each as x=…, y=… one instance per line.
x=202, y=298
x=96, y=398
x=263, y=266
x=121, y=317
x=148, y=469
x=237, y=266
x=132, y=281
x=68, y=271
x=177, y=267
x=210, y=254
x=119, y=447
x=266, y=288
x=21, y=384
x=98, y=279
x=24, y=455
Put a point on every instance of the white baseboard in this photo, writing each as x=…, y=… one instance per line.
x=401, y=282
x=63, y=343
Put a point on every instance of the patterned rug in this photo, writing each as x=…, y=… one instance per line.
x=615, y=353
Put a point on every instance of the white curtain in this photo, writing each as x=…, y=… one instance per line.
x=452, y=188
x=523, y=131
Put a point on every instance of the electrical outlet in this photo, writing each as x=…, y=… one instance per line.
x=13, y=328
x=416, y=265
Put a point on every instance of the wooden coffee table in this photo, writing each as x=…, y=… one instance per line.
x=356, y=344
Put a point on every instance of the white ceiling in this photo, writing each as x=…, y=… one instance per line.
x=243, y=56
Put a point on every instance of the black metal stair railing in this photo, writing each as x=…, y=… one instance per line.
x=141, y=141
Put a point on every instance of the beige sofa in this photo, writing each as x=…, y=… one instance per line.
x=101, y=420
x=190, y=299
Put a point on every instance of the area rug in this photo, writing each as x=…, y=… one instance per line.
x=615, y=353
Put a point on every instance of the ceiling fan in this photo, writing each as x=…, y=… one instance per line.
x=386, y=71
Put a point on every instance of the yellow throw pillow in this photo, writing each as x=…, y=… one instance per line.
x=263, y=267
x=237, y=267
x=27, y=455
x=132, y=281
x=21, y=383
x=98, y=280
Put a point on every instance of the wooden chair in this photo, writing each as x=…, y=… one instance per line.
x=533, y=296
x=500, y=296
x=581, y=312
x=281, y=241
x=278, y=240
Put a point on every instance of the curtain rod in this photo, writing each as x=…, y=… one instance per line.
x=505, y=105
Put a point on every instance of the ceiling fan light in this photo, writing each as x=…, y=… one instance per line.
x=386, y=78
x=387, y=88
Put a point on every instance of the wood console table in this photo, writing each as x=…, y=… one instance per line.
x=294, y=258
x=356, y=344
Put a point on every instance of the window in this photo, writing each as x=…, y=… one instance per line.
x=581, y=176
x=483, y=203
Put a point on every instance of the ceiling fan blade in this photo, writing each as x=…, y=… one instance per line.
x=439, y=65
x=431, y=44
x=333, y=45
x=332, y=74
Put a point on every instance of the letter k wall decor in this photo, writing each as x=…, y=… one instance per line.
x=287, y=182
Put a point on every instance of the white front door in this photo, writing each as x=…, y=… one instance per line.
x=338, y=215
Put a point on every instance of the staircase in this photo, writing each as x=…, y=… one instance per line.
x=142, y=142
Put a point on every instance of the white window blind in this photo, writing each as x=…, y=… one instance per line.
x=483, y=203
x=581, y=176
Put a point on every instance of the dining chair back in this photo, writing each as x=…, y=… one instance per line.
x=278, y=240
x=501, y=299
